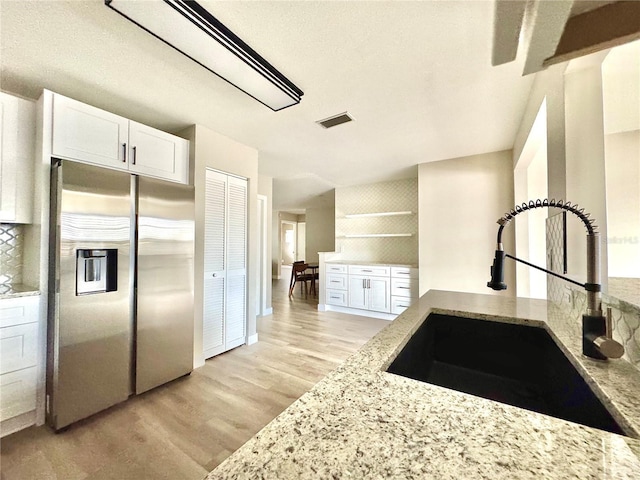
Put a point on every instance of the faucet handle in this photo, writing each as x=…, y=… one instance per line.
x=609, y=347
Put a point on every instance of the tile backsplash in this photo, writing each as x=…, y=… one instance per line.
x=11, y=255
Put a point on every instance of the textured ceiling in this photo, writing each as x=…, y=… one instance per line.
x=416, y=76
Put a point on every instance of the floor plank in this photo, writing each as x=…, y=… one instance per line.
x=188, y=427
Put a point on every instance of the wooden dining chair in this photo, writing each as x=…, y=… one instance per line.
x=298, y=275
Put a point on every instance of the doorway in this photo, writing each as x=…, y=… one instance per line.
x=288, y=233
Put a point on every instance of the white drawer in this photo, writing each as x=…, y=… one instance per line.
x=336, y=281
x=373, y=270
x=17, y=392
x=18, y=347
x=404, y=288
x=335, y=268
x=15, y=311
x=337, y=297
x=404, y=272
x=400, y=304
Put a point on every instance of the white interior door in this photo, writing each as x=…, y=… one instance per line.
x=235, y=320
x=301, y=241
x=214, y=264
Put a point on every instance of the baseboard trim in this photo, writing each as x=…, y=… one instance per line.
x=267, y=312
x=362, y=313
x=276, y=277
x=322, y=307
x=251, y=339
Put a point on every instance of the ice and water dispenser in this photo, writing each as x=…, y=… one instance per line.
x=96, y=271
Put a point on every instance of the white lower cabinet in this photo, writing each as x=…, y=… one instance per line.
x=20, y=351
x=369, y=293
x=385, y=289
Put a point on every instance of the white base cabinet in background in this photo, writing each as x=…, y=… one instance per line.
x=88, y=134
x=19, y=362
x=225, y=263
x=17, y=140
x=385, y=290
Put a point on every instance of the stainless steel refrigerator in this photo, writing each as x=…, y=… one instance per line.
x=121, y=288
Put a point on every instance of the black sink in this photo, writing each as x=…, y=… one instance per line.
x=515, y=364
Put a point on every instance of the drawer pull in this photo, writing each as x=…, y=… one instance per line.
x=369, y=271
x=405, y=306
x=336, y=281
x=405, y=288
x=335, y=298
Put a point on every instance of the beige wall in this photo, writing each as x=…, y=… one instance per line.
x=320, y=232
x=210, y=149
x=265, y=187
x=460, y=201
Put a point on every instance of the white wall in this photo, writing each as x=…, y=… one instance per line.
x=623, y=203
x=319, y=232
x=265, y=187
x=210, y=149
x=585, y=170
x=301, y=242
x=460, y=201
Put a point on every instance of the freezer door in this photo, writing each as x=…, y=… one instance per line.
x=165, y=247
x=90, y=328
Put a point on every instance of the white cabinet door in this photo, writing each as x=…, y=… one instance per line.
x=235, y=318
x=17, y=140
x=18, y=347
x=18, y=392
x=379, y=294
x=158, y=154
x=358, y=297
x=88, y=134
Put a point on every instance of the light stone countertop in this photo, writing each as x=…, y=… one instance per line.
x=361, y=422
x=348, y=262
x=18, y=290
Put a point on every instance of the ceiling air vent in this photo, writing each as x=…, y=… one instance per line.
x=335, y=120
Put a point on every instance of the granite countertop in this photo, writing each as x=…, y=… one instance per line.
x=348, y=262
x=17, y=290
x=362, y=422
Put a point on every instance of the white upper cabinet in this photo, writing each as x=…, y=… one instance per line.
x=158, y=154
x=88, y=134
x=17, y=140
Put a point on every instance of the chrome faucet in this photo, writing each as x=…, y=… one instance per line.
x=597, y=341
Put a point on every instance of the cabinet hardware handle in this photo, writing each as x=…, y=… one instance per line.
x=405, y=288
x=134, y=156
x=405, y=306
x=124, y=153
x=368, y=283
x=367, y=271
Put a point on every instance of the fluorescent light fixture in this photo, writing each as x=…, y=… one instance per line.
x=193, y=31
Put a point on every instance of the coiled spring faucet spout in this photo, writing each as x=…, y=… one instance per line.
x=596, y=328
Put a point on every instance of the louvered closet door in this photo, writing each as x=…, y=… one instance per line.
x=214, y=264
x=235, y=319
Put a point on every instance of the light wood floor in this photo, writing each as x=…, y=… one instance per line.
x=185, y=429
